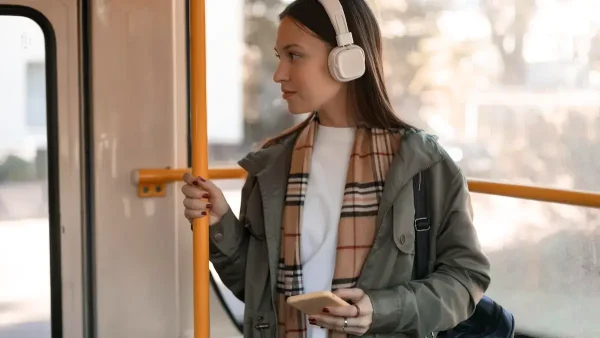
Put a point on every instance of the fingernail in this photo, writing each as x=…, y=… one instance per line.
x=195, y=183
x=201, y=179
x=311, y=320
x=204, y=213
x=205, y=196
x=208, y=206
x=325, y=310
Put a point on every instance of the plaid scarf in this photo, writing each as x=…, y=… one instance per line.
x=370, y=159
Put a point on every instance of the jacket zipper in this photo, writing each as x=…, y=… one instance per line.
x=273, y=295
x=261, y=327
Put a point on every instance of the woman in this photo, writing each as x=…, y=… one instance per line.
x=328, y=204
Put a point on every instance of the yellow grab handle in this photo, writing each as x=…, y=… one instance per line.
x=159, y=177
x=572, y=197
x=199, y=165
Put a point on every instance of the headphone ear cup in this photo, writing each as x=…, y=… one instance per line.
x=346, y=63
x=332, y=63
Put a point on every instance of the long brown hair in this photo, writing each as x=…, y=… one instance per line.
x=372, y=106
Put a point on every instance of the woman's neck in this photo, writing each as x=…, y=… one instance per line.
x=335, y=121
x=336, y=114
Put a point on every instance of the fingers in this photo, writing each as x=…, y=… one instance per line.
x=342, y=311
x=356, y=326
x=358, y=315
x=194, y=192
x=201, y=183
x=192, y=187
x=338, y=322
x=193, y=214
x=202, y=198
x=353, y=294
x=351, y=330
x=357, y=297
x=196, y=204
x=189, y=178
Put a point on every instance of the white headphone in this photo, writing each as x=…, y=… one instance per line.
x=347, y=60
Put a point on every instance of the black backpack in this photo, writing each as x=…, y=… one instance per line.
x=489, y=320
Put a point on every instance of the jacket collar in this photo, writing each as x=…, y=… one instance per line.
x=262, y=161
x=418, y=151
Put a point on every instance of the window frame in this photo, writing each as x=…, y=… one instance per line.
x=56, y=317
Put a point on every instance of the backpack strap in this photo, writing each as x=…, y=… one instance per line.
x=488, y=314
x=422, y=225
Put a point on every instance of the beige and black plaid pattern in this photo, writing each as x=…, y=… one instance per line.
x=370, y=161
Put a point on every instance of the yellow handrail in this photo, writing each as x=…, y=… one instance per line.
x=158, y=176
x=572, y=197
x=199, y=166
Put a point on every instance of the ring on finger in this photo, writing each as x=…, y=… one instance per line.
x=357, y=310
x=345, y=324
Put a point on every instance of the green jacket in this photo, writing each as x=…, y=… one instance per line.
x=245, y=252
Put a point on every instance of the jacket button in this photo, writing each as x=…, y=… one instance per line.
x=402, y=239
x=218, y=237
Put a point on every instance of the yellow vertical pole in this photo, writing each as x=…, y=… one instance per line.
x=199, y=165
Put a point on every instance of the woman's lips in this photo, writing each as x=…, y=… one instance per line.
x=287, y=94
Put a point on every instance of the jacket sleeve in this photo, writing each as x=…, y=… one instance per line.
x=460, y=277
x=229, y=247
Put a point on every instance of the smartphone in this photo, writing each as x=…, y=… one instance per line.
x=313, y=303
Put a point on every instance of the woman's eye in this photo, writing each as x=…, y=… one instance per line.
x=290, y=56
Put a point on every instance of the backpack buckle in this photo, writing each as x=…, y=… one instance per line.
x=422, y=224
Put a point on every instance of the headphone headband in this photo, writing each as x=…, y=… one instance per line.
x=337, y=17
x=346, y=62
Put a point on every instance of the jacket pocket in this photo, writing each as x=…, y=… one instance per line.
x=401, y=258
x=403, y=228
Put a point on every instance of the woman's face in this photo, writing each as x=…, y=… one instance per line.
x=303, y=74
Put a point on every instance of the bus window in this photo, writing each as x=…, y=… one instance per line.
x=24, y=215
x=512, y=90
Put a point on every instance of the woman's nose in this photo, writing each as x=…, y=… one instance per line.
x=281, y=73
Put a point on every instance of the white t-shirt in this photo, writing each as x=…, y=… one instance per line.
x=322, y=208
